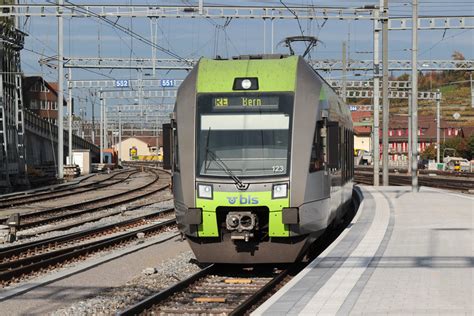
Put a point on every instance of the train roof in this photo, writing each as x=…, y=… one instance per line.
x=275, y=74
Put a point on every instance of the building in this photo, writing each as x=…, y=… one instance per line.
x=134, y=147
x=362, y=130
x=398, y=133
x=41, y=97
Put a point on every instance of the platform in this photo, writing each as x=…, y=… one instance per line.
x=403, y=253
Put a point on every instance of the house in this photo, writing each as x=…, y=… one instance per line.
x=362, y=121
x=41, y=97
x=135, y=146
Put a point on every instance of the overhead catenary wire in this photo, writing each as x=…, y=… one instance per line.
x=124, y=29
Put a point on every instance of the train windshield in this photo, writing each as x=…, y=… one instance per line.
x=244, y=135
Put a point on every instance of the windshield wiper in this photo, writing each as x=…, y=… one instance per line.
x=240, y=185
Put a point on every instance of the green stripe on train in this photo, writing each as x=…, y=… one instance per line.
x=209, y=228
x=217, y=76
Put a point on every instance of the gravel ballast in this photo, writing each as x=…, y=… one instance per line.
x=114, y=299
x=80, y=288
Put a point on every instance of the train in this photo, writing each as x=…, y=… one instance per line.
x=261, y=152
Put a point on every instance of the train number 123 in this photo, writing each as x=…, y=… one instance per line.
x=277, y=169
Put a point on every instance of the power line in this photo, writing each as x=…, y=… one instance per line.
x=123, y=29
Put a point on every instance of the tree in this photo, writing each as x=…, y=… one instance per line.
x=461, y=145
x=429, y=152
x=470, y=147
x=458, y=55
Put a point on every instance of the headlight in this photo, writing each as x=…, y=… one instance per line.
x=280, y=191
x=205, y=191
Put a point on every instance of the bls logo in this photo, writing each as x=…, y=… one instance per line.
x=243, y=200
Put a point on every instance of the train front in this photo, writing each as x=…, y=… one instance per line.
x=232, y=161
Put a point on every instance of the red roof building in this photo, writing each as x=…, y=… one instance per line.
x=41, y=97
x=398, y=132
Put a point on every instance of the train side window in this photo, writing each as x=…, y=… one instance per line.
x=168, y=146
x=333, y=140
x=175, y=148
x=316, y=162
x=175, y=145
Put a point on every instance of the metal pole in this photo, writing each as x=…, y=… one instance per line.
x=120, y=138
x=344, y=71
x=438, y=124
x=375, y=132
x=201, y=6
x=60, y=93
x=409, y=144
x=414, y=99
x=472, y=91
x=101, y=133
x=264, y=37
x=69, y=110
x=272, y=36
x=385, y=102
x=106, y=140
x=154, y=35
x=3, y=127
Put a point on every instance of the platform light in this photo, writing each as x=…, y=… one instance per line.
x=280, y=191
x=205, y=191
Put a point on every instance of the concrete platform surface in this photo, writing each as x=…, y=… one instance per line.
x=404, y=253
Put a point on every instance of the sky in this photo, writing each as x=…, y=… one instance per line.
x=193, y=38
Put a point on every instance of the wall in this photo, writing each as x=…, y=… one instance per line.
x=142, y=148
x=362, y=142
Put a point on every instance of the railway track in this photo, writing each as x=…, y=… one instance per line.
x=23, y=261
x=463, y=184
x=215, y=290
x=58, y=214
x=18, y=200
x=229, y=289
x=66, y=224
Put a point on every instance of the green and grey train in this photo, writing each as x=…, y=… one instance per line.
x=262, y=158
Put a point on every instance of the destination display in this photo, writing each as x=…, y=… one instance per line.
x=245, y=102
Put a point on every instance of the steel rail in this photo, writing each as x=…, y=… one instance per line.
x=31, y=264
x=161, y=296
x=18, y=249
x=257, y=296
x=88, y=210
x=29, y=224
x=43, y=196
x=87, y=220
x=146, y=305
x=462, y=184
x=51, y=188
